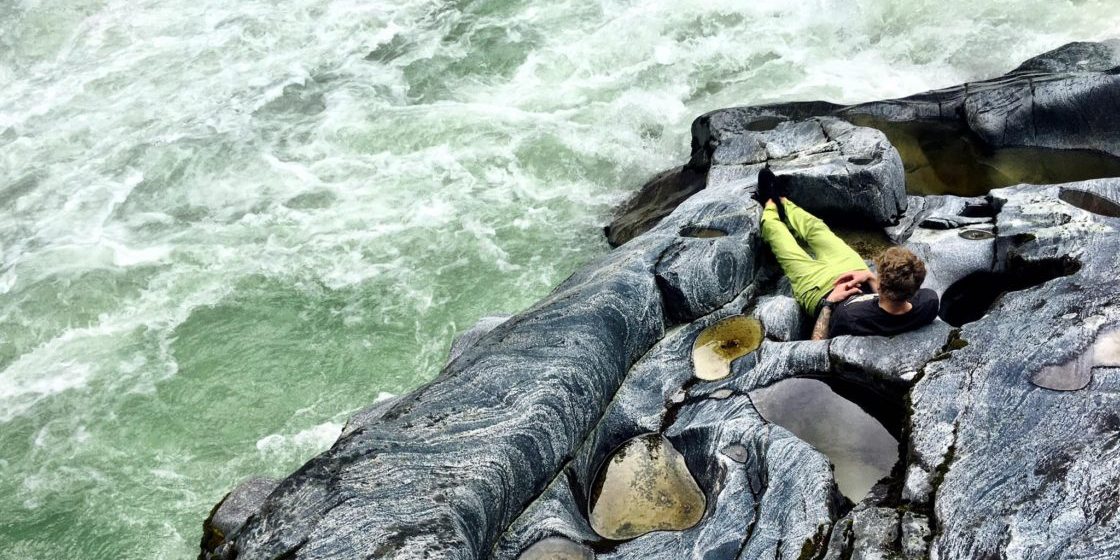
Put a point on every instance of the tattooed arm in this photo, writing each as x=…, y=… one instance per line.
x=840, y=293
x=820, y=330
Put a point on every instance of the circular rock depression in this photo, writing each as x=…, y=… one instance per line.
x=860, y=449
x=645, y=486
x=722, y=343
x=557, y=548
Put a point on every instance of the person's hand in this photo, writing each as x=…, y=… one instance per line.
x=770, y=203
x=843, y=291
x=857, y=276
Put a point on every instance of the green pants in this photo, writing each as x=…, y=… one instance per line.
x=812, y=278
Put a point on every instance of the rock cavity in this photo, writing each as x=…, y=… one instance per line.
x=861, y=450
x=947, y=158
x=1091, y=202
x=976, y=234
x=557, y=548
x=971, y=297
x=722, y=343
x=868, y=242
x=645, y=486
x=702, y=232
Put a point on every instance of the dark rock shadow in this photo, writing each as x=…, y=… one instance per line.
x=971, y=297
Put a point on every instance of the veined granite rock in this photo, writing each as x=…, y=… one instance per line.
x=836, y=170
x=1003, y=466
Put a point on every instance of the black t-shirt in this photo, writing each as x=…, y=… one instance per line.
x=862, y=316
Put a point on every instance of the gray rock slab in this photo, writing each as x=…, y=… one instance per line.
x=892, y=360
x=1047, y=462
x=235, y=508
x=836, y=170
x=500, y=452
x=652, y=202
x=782, y=318
x=1081, y=56
x=472, y=335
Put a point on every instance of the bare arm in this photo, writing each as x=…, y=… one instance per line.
x=820, y=330
x=840, y=293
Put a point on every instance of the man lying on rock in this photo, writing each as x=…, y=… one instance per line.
x=833, y=284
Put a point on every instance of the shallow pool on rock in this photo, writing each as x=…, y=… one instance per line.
x=946, y=158
x=860, y=449
x=557, y=548
x=722, y=343
x=868, y=242
x=1077, y=373
x=645, y=486
x=702, y=232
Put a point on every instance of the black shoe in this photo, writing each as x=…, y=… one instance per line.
x=766, y=185
x=772, y=187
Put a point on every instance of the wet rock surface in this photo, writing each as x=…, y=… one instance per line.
x=557, y=549
x=230, y=514
x=1047, y=461
x=499, y=456
x=1052, y=120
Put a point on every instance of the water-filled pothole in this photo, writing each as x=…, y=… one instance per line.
x=702, y=232
x=976, y=234
x=868, y=242
x=645, y=486
x=1090, y=202
x=971, y=297
x=860, y=449
x=947, y=158
x=557, y=548
x=722, y=343
x=1076, y=374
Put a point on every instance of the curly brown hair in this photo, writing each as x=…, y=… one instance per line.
x=901, y=273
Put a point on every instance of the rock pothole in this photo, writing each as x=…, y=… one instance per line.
x=971, y=297
x=1091, y=202
x=1077, y=373
x=557, y=548
x=860, y=448
x=702, y=232
x=868, y=242
x=722, y=343
x=645, y=486
x=976, y=234
x=943, y=157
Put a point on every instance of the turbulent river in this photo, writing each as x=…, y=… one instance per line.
x=225, y=226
